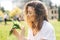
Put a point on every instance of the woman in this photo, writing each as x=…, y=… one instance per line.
x=36, y=18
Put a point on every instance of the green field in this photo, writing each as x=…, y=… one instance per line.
x=4, y=30
x=56, y=25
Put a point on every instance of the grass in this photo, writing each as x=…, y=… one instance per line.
x=56, y=25
x=4, y=32
x=5, y=29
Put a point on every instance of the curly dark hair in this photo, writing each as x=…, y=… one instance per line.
x=40, y=11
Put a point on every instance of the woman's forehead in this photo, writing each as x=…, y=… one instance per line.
x=30, y=8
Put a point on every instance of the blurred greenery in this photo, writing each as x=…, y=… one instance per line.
x=56, y=25
x=15, y=11
x=5, y=29
x=59, y=13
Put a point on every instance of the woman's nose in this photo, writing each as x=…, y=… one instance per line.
x=28, y=14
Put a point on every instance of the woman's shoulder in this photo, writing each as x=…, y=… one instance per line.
x=47, y=28
x=47, y=25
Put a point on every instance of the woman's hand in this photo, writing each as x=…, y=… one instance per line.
x=15, y=33
x=19, y=36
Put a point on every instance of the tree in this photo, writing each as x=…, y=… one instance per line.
x=59, y=13
x=15, y=11
x=50, y=4
x=2, y=9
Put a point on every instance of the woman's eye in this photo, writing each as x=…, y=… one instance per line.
x=26, y=13
x=30, y=13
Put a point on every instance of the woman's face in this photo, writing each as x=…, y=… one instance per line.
x=30, y=13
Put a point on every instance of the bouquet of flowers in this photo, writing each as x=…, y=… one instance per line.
x=15, y=26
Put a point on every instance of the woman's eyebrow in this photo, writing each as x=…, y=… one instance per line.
x=29, y=11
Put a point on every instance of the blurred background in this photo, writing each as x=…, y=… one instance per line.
x=13, y=9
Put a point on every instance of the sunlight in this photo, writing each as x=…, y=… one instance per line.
x=56, y=2
x=7, y=5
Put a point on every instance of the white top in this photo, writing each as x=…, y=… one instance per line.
x=47, y=32
x=5, y=16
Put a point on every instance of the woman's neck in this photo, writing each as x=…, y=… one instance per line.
x=35, y=31
x=36, y=26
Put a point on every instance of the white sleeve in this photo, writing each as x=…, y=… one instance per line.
x=49, y=32
x=49, y=35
